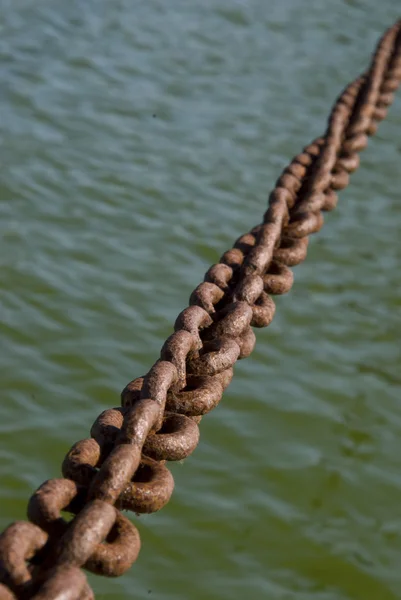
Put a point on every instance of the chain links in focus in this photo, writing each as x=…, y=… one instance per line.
x=122, y=465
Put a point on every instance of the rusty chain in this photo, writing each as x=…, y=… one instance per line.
x=122, y=465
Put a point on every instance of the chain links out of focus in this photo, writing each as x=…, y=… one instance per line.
x=122, y=464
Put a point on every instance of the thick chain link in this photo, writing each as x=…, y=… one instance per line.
x=122, y=465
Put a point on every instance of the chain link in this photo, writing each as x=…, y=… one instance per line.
x=122, y=465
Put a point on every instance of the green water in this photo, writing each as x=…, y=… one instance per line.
x=138, y=140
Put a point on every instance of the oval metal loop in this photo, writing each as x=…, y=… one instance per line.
x=277, y=214
x=280, y=194
x=296, y=168
x=321, y=177
x=289, y=181
x=245, y=243
x=330, y=200
x=380, y=113
x=138, y=423
x=304, y=159
x=278, y=279
x=118, y=552
x=313, y=203
x=81, y=460
x=176, y=350
x=150, y=489
x=390, y=85
x=52, y=497
x=193, y=319
x=260, y=257
x=107, y=426
x=18, y=544
x=361, y=126
x=263, y=311
x=219, y=274
x=315, y=147
x=246, y=343
x=372, y=128
x=88, y=529
x=231, y=321
x=162, y=377
x=216, y=356
x=206, y=295
x=176, y=440
x=340, y=178
x=292, y=251
x=386, y=98
x=225, y=377
x=100, y=539
x=349, y=162
x=132, y=392
x=201, y=395
x=249, y=288
x=122, y=462
x=305, y=224
x=356, y=143
x=233, y=258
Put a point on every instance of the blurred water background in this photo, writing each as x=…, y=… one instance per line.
x=138, y=140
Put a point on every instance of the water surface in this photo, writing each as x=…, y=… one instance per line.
x=138, y=140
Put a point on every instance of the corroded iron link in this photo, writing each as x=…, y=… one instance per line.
x=122, y=465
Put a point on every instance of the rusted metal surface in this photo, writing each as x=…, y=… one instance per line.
x=122, y=464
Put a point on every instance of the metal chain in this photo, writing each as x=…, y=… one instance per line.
x=122, y=465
